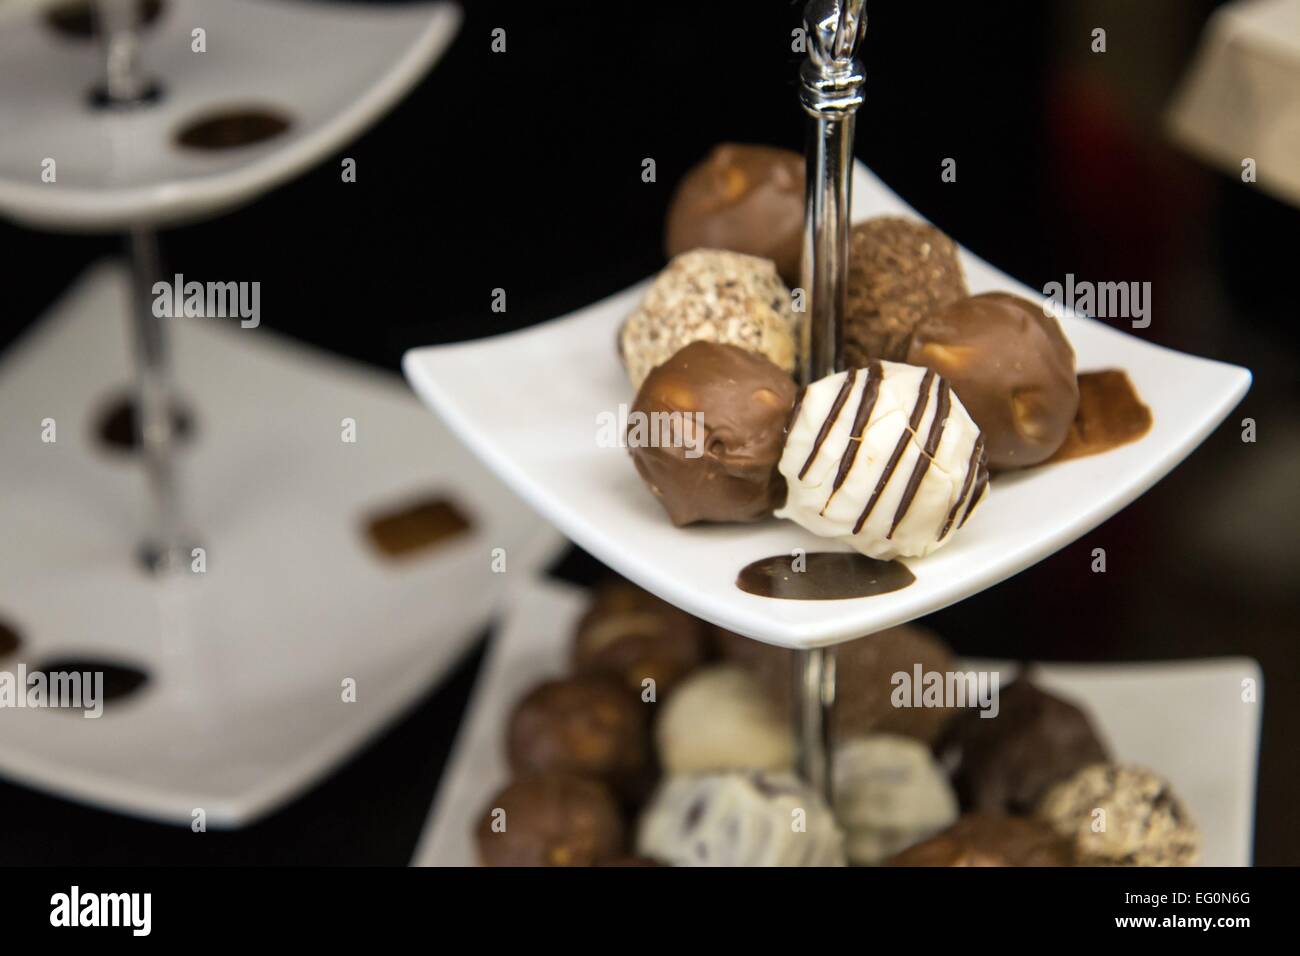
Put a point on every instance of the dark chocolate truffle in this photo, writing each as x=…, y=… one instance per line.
x=900, y=270
x=1006, y=763
x=864, y=671
x=743, y=198
x=633, y=635
x=591, y=726
x=707, y=430
x=1011, y=366
x=985, y=840
x=551, y=820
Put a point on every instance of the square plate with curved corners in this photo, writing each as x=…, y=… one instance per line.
x=1183, y=719
x=243, y=709
x=527, y=404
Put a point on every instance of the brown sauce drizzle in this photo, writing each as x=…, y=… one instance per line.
x=232, y=128
x=827, y=576
x=417, y=527
x=120, y=680
x=1110, y=414
x=9, y=640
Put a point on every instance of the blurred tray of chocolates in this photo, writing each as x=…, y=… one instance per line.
x=610, y=728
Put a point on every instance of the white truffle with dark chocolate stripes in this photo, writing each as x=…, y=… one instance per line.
x=884, y=458
x=740, y=819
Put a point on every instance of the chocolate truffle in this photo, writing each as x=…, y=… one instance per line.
x=706, y=431
x=900, y=270
x=720, y=718
x=885, y=459
x=710, y=296
x=743, y=198
x=550, y=820
x=591, y=726
x=740, y=819
x=1122, y=816
x=979, y=839
x=632, y=635
x=1006, y=763
x=864, y=675
x=1011, y=366
x=889, y=794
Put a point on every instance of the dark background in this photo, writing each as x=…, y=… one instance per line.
x=522, y=171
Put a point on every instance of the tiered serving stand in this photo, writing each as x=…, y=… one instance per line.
x=547, y=450
x=246, y=660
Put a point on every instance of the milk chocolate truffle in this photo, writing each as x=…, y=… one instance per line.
x=743, y=198
x=706, y=431
x=1013, y=369
x=885, y=459
x=634, y=636
x=889, y=795
x=864, y=676
x=590, y=726
x=740, y=819
x=1006, y=763
x=551, y=819
x=979, y=839
x=720, y=718
x=900, y=270
x=1141, y=823
x=711, y=296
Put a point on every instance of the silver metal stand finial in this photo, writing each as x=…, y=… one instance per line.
x=831, y=82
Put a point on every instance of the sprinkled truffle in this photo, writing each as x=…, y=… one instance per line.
x=1122, y=816
x=712, y=296
x=900, y=271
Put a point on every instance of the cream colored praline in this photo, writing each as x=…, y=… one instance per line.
x=721, y=718
x=713, y=296
x=740, y=818
x=884, y=458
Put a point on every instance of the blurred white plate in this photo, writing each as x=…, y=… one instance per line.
x=332, y=68
x=1186, y=720
x=527, y=404
x=244, y=707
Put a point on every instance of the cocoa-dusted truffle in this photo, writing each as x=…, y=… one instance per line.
x=900, y=270
x=864, y=676
x=706, y=432
x=591, y=726
x=1007, y=762
x=743, y=198
x=633, y=635
x=979, y=839
x=1011, y=366
x=551, y=819
x=1122, y=816
x=709, y=295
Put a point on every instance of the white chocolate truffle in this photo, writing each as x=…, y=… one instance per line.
x=889, y=795
x=884, y=458
x=739, y=819
x=1143, y=822
x=721, y=718
x=712, y=296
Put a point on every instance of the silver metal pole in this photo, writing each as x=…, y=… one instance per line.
x=125, y=85
x=831, y=82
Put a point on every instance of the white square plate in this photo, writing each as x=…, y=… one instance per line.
x=243, y=710
x=527, y=404
x=1184, y=720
